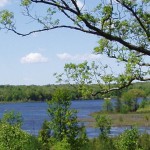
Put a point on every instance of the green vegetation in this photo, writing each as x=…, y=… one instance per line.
x=119, y=119
x=12, y=137
x=63, y=121
x=146, y=109
x=123, y=29
x=130, y=99
x=127, y=111
x=63, y=131
x=128, y=140
x=104, y=125
x=10, y=93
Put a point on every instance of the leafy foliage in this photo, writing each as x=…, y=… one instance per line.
x=107, y=106
x=128, y=140
x=121, y=25
x=130, y=98
x=62, y=145
x=12, y=118
x=144, y=141
x=104, y=124
x=43, y=93
x=44, y=135
x=63, y=121
x=12, y=137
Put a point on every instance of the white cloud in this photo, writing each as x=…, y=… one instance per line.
x=69, y=57
x=33, y=58
x=3, y=2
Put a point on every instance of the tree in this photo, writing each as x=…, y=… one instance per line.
x=123, y=27
x=63, y=121
x=130, y=98
x=107, y=106
x=128, y=140
x=104, y=125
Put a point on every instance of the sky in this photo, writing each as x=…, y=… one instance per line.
x=35, y=58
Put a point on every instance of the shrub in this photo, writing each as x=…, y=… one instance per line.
x=107, y=105
x=44, y=135
x=12, y=137
x=101, y=144
x=128, y=140
x=104, y=124
x=12, y=118
x=144, y=141
x=62, y=145
x=124, y=108
x=130, y=98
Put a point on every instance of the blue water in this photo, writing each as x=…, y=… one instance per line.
x=34, y=113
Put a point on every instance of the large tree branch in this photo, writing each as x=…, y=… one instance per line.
x=97, y=31
x=54, y=3
x=117, y=39
x=50, y=28
x=114, y=89
x=76, y=6
x=90, y=28
x=122, y=86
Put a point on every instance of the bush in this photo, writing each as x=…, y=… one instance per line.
x=104, y=124
x=107, y=105
x=130, y=98
x=62, y=145
x=144, y=103
x=101, y=144
x=12, y=118
x=124, y=109
x=44, y=135
x=128, y=140
x=144, y=106
x=144, y=141
x=12, y=137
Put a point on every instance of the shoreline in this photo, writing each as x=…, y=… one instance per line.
x=121, y=120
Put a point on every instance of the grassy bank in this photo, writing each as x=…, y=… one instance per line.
x=118, y=119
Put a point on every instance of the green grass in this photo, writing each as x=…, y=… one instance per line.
x=130, y=119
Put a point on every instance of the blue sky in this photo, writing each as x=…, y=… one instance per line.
x=35, y=58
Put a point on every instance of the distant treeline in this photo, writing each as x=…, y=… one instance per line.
x=9, y=93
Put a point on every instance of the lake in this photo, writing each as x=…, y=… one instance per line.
x=34, y=113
